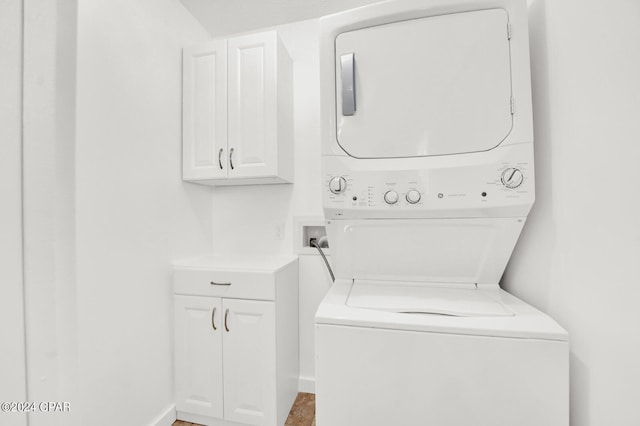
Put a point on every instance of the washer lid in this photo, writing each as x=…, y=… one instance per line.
x=526, y=322
x=421, y=298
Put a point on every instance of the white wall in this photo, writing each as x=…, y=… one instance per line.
x=12, y=355
x=49, y=65
x=579, y=256
x=315, y=281
x=134, y=214
x=105, y=211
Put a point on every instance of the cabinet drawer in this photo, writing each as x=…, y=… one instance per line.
x=255, y=285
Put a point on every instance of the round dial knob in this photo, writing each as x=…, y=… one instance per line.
x=391, y=197
x=337, y=185
x=413, y=196
x=512, y=178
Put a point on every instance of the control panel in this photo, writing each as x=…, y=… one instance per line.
x=471, y=189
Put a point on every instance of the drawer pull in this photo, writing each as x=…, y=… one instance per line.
x=226, y=314
x=215, y=283
x=213, y=319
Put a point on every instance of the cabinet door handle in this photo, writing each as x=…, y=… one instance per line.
x=231, y=158
x=226, y=314
x=220, y=158
x=213, y=319
x=215, y=283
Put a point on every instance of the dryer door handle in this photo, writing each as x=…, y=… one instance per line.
x=348, y=75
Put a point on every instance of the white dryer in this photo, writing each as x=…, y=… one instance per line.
x=429, y=177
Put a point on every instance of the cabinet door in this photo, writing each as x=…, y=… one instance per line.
x=204, y=125
x=253, y=106
x=249, y=362
x=198, y=355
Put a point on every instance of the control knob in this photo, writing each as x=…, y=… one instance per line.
x=391, y=197
x=337, y=185
x=413, y=196
x=512, y=178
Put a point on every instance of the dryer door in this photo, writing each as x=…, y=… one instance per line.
x=430, y=86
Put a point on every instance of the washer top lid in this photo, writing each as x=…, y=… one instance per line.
x=527, y=322
x=420, y=298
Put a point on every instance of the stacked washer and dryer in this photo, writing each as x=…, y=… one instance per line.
x=428, y=171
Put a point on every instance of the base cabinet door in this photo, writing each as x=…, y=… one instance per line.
x=198, y=355
x=249, y=357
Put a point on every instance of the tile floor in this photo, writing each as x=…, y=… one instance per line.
x=303, y=412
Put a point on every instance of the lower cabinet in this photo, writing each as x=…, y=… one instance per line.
x=249, y=359
x=198, y=355
x=235, y=359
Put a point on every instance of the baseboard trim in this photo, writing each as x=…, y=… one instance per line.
x=307, y=384
x=167, y=418
x=205, y=420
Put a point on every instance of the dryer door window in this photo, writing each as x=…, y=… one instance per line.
x=430, y=86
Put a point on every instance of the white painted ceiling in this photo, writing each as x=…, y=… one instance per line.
x=222, y=17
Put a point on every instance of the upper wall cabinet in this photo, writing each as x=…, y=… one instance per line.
x=238, y=111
